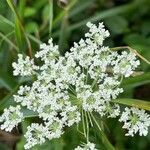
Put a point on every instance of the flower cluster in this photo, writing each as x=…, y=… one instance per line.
x=135, y=120
x=86, y=78
x=38, y=133
x=11, y=117
x=88, y=146
x=24, y=67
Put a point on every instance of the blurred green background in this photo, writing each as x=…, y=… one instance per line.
x=24, y=24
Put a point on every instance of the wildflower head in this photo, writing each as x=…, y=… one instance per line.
x=86, y=79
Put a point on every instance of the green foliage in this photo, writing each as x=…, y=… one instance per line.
x=23, y=25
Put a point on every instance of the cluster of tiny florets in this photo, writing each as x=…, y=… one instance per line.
x=24, y=67
x=135, y=120
x=10, y=118
x=86, y=78
x=87, y=146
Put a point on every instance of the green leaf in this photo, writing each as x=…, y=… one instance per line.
x=137, y=80
x=133, y=103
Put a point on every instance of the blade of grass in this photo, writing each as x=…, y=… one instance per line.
x=133, y=103
x=50, y=16
x=5, y=20
x=34, y=38
x=5, y=38
x=13, y=25
x=6, y=26
x=21, y=7
x=19, y=23
x=137, y=80
x=19, y=36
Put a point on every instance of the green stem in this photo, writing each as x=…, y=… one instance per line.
x=106, y=142
x=87, y=126
x=90, y=119
x=79, y=130
x=83, y=123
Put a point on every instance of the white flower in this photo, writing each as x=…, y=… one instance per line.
x=111, y=111
x=110, y=88
x=24, y=67
x=11, y=118
x=70, y=115
x=91, y=100
x=135, y=120
x=47, y=112
x=35, y=135
x=125, y=64
x=88, y=146
x=54, y=128
x=48, y=53
x=88, y=77
x=98, y=34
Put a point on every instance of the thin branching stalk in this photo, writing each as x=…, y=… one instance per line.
x=133, y=50
x=106, y=142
